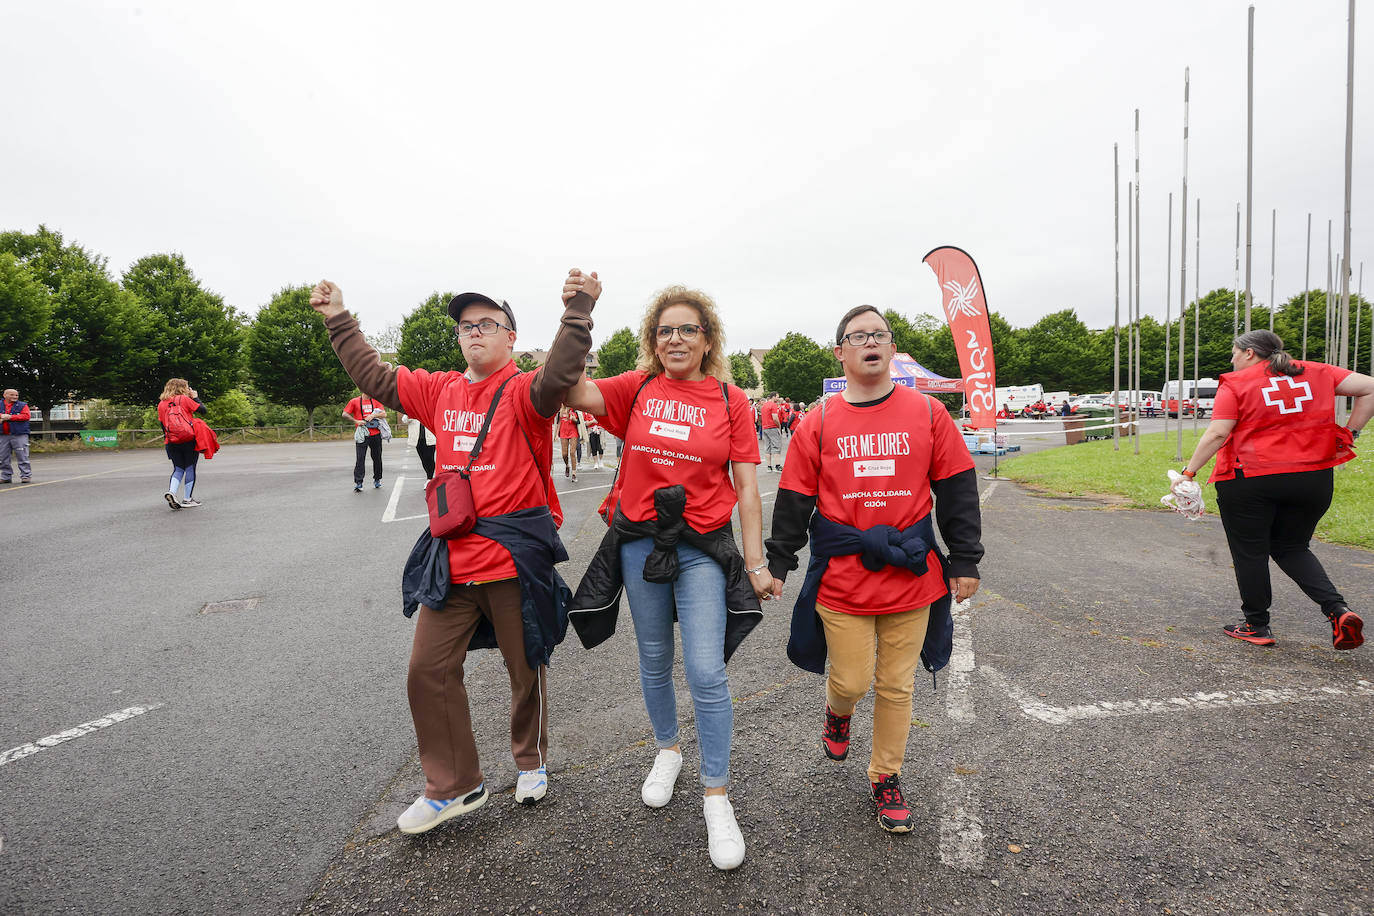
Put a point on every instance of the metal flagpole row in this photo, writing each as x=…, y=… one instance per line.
x=1168, y=301
x=1183, y=279
x=1116, y=321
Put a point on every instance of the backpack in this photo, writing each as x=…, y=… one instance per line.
x=177, y=426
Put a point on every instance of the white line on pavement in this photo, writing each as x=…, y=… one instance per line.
x=85, y=728
x=1219, y=699
x=600, y=486
x=390, y=514
x=961, y=829
x=44, y=483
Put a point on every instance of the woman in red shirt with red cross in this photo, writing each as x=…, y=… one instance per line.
x=1274, y=425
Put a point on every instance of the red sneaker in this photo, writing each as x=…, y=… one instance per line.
x=1347, y=629
x=835, y=738
x=893, y=814
x=1260, y=636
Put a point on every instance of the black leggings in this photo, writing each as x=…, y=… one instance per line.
x=372, y=444
x=1275, y=516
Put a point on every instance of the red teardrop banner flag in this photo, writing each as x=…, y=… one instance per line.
x=966, y=309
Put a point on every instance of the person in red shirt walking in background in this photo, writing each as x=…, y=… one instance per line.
x=14, y=437
x=594, y=447
x=772, y=434
x=864, y=465
x=175, y=409
x=690, y=458
x=504, y=591
x=568, y=421
x=1274, y=425
x=363, y=411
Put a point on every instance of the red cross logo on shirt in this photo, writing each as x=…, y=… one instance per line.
x=1291, y=398
x=862, y=469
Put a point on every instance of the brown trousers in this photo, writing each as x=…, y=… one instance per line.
x=881, y=650
x=439, y=700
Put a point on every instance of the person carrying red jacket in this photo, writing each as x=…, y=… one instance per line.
x=175, y=412
x=860, y=474
x=497, y=582
x=1275, y=436
x=14, y=437
x=365, y=411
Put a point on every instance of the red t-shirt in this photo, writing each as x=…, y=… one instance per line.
x=875, y=467
x=506, y=476
x=362, y=408
x=678, y=433
x=567, y=428
x=768, y=414
x=1284, y=424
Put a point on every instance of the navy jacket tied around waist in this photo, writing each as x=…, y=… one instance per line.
x=879, y=546
x=532, y=539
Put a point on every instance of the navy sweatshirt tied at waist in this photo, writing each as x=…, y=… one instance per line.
x=879, y=546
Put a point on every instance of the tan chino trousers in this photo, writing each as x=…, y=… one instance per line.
x=881, y=650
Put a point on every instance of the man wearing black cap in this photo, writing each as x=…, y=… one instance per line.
x=504, y=591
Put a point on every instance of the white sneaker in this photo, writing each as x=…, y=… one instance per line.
x=427, y=813
x=190, y=503
x=532, y=786
x=658, y=785
x=171, y=499
x=727, y=843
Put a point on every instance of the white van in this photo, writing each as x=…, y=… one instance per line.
x=1200, y=395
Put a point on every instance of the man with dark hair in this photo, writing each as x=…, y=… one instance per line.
x=504, y=591
x=867, y=461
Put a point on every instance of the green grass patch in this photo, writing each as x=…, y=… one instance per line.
x=1096, y=469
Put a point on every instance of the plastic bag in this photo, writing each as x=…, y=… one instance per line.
x=1184, y=496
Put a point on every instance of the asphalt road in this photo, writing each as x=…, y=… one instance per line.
x=1097, y=745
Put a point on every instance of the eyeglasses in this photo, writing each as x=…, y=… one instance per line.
x=485, y=327
x=859, y=338
x=686, y=331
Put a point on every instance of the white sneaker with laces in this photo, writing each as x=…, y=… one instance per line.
x=190, y=503
x=532, y=786
x=722, y=832
x=658, y=785
x=427, y=813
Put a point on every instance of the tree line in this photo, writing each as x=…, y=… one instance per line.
x=70, y=331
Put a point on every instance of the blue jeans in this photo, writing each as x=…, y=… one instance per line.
x=699, y=595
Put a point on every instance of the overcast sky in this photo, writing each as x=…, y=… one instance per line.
x=791, y=159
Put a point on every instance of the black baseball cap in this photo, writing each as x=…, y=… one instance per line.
x=462, y=301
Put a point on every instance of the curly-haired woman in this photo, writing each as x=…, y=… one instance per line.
x=690, y=458
x=175, y=408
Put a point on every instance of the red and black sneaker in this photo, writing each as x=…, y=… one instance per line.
x=1347, y=629
x=835, y=738
x=893, y=814
x=1260, y=636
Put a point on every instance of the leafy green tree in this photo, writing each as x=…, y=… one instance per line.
x=427, y=338
x=797, y=366
x=618, y=354
x=88, y=349
x=742, y=371
x=191, y=334
x=933, y=346
x=526, y=363
x=230, y=410
x=25, y=306
x=289, y=355
x=1061, y=356
x=387, y=342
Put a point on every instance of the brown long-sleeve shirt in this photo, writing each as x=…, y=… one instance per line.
x=563, y=369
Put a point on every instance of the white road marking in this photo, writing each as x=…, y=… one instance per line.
x=43, y=483
x=600, y=486
x=390, y=514
x=1219, y=699
x=85, y=728
x=961, y=828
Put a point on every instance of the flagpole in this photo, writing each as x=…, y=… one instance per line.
x=1138, y=350
x=1130, y=296
x=1341, y=405
x=1197, y=308
x=1330, y=285
x=1235, y=298
x=1183, y=277
x=1168, y=303
x=1273, y=249
x=1116, y=320
x=1249, y=155
x=1307, y=286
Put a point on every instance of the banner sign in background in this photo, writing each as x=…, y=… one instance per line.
x=103, y=438
x=966, y=309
